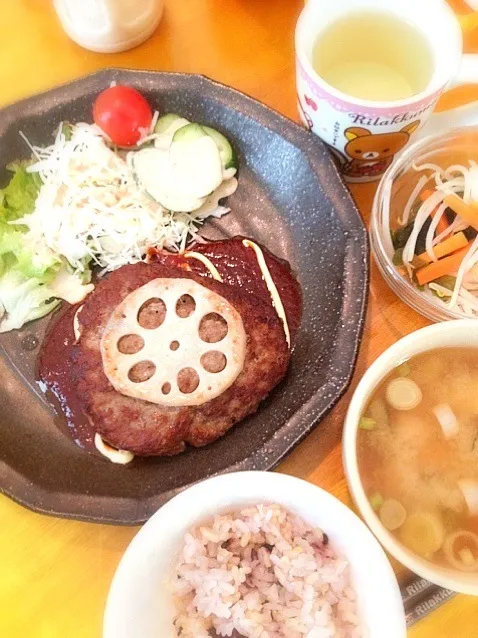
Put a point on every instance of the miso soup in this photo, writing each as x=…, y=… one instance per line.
x=417, y=451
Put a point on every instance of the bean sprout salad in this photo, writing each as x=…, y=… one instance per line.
x=435, y=238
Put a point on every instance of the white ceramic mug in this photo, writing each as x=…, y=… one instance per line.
x=365, y=135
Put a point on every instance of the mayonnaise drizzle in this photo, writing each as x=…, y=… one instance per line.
x=271, y=287
x=76, y=324
x=122, y=457
x=206, y=262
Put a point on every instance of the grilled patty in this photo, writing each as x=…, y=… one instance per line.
x=150, y=429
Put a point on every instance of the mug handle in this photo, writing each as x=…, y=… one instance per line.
x=466, y=115
x=468, y=71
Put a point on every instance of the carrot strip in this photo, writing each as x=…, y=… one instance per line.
x=444, y=248
x=443, y=223
x=424, y=195
x=467, y=213
x=441, y=267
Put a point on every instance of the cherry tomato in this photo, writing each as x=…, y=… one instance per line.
x=123, y=114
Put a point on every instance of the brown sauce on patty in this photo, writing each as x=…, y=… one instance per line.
x=54, y=370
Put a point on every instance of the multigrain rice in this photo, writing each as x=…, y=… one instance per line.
x=262, y=572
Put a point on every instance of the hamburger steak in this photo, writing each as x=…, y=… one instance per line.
x=76, y=370
x=147, y=428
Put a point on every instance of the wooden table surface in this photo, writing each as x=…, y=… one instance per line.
x=55, y=574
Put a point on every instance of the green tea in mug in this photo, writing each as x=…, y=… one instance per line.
x=374, y=55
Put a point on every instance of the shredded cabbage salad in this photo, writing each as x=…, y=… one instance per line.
x=77, y=204
x=90, y=207
x=435, y=239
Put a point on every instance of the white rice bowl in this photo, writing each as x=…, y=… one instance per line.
x=262, y=572
x=216, y=556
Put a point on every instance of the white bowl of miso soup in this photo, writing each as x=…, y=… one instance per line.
x=410, y=448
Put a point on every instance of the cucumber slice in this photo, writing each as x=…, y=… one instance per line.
x=196, y=165
x=195, y=131
x=154, y=173
x=173, y=123
x=228, y=156
x=189, y=133
x=165, y=121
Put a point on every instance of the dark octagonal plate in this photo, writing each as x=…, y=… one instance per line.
x=290, y=198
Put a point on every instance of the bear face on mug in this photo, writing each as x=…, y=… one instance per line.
x=372, y=153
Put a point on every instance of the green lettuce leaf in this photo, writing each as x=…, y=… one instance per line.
x=33, y=278
x=18, y=198
x=23, y=300
x=24, y=270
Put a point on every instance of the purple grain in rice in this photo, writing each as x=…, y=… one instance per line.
x=262, y=573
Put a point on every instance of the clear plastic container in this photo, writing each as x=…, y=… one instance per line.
x=454, y=147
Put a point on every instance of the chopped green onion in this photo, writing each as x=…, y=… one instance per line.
x=366, y=423
x=376, y=501
x=392, y=514
x=404, y=369
x=403, y=394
